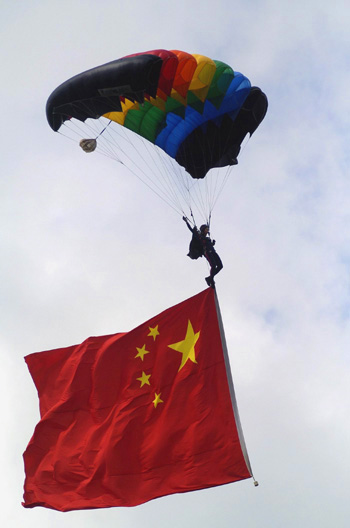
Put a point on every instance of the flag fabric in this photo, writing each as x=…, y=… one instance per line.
x=130, y=417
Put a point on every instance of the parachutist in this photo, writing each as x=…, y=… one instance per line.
x=201, y=244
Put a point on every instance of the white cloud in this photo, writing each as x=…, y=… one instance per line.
x=86, y=250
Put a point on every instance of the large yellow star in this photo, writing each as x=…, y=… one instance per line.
x=153, y=332
x=141, y=352
x=186, y=347
x=144, y=379
x=157, y=399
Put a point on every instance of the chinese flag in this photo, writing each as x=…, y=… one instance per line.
x=129, y=417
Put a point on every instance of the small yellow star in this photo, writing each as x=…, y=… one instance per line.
x=153, y=332
x=157, y=399
x=144, y=380
x=186, y=347
x=141, y=352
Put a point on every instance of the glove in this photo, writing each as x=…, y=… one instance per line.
x=184, y=218
x=214, y=242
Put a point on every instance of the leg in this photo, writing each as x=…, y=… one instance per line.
x=215, y=266
x=215, y=263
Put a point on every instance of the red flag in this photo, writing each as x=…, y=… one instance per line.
x=126, y=418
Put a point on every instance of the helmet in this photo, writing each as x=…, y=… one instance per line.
x=203, y=227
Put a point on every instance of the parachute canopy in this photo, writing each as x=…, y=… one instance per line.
x=197, y=110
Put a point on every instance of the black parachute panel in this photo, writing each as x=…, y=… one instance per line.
x=215, y=145
x=95, y=92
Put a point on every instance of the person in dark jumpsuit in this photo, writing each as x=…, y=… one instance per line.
x=206, y=245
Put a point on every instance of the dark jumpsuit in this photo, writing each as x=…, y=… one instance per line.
x=208, y=250
x=211, y=256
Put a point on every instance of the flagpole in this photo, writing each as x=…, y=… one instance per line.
x=232, y=390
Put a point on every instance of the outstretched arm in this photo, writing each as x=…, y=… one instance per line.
x=188, y=224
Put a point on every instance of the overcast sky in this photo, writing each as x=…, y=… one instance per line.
x=86, y=249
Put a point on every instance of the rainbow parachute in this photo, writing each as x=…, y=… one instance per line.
x=195, y=109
